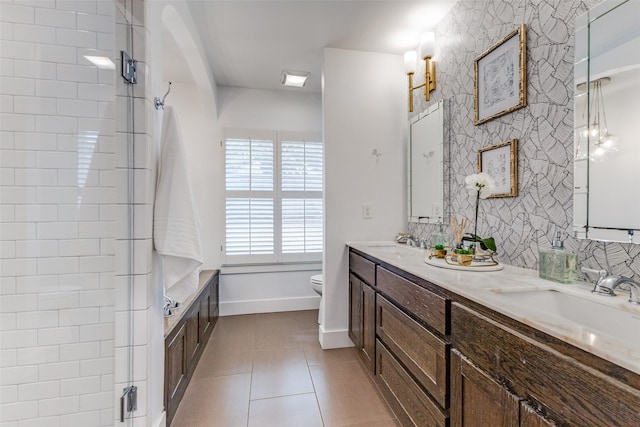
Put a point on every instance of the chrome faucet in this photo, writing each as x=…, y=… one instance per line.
x=599, y=287
x=607, y=283
x=411, y=241
x=634, y=287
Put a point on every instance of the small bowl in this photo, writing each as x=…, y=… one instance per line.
x=464, y=259
x=439, y=253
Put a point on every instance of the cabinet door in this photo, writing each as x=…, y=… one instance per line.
x=355, y=310
x=477, y=400
x=193, y=335
x=530, y=418
x=204, y=321
x=175, y=371
x=369, y=325
x=214, y=301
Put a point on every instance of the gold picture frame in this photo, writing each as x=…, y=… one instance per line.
x=501, y=77
x=501, y=162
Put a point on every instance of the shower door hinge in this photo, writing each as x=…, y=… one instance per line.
x=130, y=394
x=129, y=68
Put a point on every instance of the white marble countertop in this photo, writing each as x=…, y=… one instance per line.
x=616, y=340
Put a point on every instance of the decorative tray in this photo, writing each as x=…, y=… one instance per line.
x=475, y=265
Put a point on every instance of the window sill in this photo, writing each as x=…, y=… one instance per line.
x=270, y=268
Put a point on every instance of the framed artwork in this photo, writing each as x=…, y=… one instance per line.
x=501, y=162
x=501, y=77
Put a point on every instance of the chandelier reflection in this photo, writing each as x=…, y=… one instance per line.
x=595, y=133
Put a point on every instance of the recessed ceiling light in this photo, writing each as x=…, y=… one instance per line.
x=101, y=62
x=294, y=78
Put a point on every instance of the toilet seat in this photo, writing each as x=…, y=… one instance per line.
x=317, y=284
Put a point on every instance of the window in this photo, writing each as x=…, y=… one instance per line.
x=273, y=197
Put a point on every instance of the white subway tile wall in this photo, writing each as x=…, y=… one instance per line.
x=59, y=218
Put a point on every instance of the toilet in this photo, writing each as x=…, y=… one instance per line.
x=317, y=284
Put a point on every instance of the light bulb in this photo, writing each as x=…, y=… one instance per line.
x=410, y=59
x=609, y=142
x=598, y=154
x=427, y=45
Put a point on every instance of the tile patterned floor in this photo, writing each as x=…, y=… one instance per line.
x=268, y=370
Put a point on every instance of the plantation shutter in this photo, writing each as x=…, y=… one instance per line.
x=273, y=198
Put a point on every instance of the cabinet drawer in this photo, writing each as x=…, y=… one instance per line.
x=424, y=304
x=409, y=401
x=572, y=392
x=422, y=353
x=364, y=268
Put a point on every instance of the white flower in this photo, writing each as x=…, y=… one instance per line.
x=480, y=182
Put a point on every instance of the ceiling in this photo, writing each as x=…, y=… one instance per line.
x=249, y=43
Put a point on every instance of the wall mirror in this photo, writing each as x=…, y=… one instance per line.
x=427, y=166
x=607, y=123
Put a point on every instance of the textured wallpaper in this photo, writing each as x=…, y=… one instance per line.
x=544, y=129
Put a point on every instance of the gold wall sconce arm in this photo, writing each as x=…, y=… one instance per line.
x=429, y=81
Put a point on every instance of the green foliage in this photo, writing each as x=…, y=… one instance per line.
x=463, y=252
x=488, y=243
x=439, y=247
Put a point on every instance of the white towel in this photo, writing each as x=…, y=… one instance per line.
x=176, y=227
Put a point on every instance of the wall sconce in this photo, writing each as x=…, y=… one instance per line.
x=427, y=48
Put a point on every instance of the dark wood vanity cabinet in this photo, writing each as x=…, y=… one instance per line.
x=443, y=360
x=186, y=337
x=490, y=355
x=399, y=328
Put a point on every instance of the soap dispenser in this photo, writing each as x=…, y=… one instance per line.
x=557, y=263
x=440, y=237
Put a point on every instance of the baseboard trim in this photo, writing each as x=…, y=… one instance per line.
x=162, y=420
x=334, y=339
x=230, y=308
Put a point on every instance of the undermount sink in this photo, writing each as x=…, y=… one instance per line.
x=610, y=320
x=396, y=250
x=382, y=245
